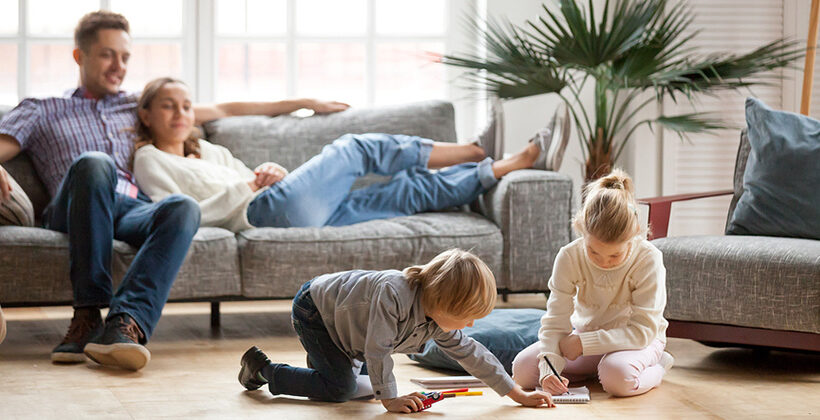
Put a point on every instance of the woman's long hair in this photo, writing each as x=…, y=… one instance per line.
x=143, y=133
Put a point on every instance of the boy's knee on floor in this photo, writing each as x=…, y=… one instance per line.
x=344, y=391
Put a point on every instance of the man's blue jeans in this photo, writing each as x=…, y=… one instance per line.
x=93, y=214
x=318, y=192
x=333, y=376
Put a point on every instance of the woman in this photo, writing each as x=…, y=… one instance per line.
x=170, y=159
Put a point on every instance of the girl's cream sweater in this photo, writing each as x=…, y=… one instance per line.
x=618, y=308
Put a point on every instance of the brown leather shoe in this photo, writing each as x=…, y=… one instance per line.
x=119, y=344
x=85, y=324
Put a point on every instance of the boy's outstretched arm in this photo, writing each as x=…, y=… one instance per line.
x=530, y=399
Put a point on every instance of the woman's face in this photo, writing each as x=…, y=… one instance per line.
x=170, y=116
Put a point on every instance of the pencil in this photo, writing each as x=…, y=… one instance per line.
x=552, y=367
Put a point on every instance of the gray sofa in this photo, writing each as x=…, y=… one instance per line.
x=517, y=228
x=748, y=290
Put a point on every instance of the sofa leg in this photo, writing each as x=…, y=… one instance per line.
x=214, y=314
x=505, y=296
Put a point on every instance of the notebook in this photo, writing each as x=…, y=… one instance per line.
x=442, y=382
x=578, y=395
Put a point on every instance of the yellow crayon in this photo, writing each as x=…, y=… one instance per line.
x=463, y=394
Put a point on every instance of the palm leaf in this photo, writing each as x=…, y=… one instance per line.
x=636, y=46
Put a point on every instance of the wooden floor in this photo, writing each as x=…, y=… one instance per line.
x=193, y=375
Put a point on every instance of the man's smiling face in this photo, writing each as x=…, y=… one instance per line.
x=103, y=66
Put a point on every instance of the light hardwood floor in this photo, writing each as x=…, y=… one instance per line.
x=193, y=375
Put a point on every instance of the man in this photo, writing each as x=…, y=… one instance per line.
x=81, y=146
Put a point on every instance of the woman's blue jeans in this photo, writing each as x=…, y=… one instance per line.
x=318, y=192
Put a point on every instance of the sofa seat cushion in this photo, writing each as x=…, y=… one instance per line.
x=751, y=281
x=211, y=268
x=35, y=266
x=276, y=261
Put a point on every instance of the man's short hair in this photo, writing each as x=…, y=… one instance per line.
x=86, y=32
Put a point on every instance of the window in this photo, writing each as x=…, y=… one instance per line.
x=365, y=52
x=37, y=39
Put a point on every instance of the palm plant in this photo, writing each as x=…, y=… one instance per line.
x=637, y=46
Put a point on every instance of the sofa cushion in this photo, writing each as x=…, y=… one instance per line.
x=22, y=169
x=290, y=141
x=211, y=268
x=276, y=261
x=751, y=281
x=35, y=266
x=17, y=210
x=782, y=174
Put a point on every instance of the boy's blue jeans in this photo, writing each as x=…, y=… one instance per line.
x=333, y=377
x=89, y=210
x=318, y=192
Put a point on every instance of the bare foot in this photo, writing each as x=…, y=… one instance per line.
x=521, y=160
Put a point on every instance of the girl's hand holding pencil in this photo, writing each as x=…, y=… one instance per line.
x=555, y=385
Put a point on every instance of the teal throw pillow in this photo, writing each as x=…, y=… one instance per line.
x=781, y=184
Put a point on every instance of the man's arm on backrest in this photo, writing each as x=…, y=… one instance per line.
x=9, y=148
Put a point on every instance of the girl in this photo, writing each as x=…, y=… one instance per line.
x=346, y=319
x=170, y=159
x=605, y=309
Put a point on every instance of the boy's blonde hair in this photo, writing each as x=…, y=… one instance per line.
x=455, y=282
x=609, y=212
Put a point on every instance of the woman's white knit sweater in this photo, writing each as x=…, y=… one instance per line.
x=217, y=181
x=618, y=308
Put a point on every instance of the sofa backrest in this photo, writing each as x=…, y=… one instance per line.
x=22, y=170
x=287, y=140
x=740, y=167
x=291, y=141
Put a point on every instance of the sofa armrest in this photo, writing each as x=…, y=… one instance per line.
x=533, y=209
x=661, y=207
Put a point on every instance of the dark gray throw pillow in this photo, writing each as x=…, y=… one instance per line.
x=781, y=184
x=504, y=332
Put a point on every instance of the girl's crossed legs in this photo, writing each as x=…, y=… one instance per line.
x=622, y=373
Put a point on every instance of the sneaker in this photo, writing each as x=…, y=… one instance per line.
x=85, y=324
x=667, y=360
x=543, y=139
x=560, y=137
x=2, y=326
x=119, y=344
x=492, y=138
x=552, y=141
x=250, y=374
